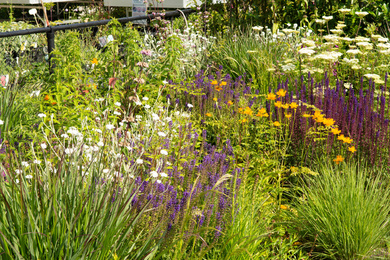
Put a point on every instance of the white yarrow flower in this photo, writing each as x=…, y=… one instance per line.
x=162, y=134
x=1, y=122
x=25, y=164
x=43, y=145
x=41, y=115
x=110, y=127
x=139, y=161
x=154, y=174
x=163, y=174
x=118, y=104
x=28, y=176
x=164, y=152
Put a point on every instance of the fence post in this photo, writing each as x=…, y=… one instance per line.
x=50, y=48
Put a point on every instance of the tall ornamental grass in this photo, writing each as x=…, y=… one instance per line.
x=343, y=213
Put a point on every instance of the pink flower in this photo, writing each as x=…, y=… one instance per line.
x=146, y=52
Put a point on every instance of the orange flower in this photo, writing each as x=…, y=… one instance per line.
x=328, y=121
x=263, y=110
x=230, y=103
x=276, y=123
x=348, y=140
x=223, y=83
x=214, y=82
x=293, y=105
x=54, y=103
x=215, y=99
x=248, y=111
x=243, y=120
x=338, y=159
x=306, y=115
x=209, y=114
x=288, y=116
x=262, y=113
x=278, y=104
x=335, y=131
x=341, y=137
x=285, y=106
x=94, y=61
x=217, y=88
x=320, y=119
x=46, y=98
x=352, y=149
x=281, y=92
x=271, y=96
x=283, y=207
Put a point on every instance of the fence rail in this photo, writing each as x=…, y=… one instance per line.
x=50, y=31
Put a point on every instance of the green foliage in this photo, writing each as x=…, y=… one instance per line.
x=245, y=14
x=343, y=213
x=56, y=212
x=248, y=53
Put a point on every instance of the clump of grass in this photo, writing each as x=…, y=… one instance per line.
x=344, y=212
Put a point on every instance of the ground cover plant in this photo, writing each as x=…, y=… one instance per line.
x=200, y=139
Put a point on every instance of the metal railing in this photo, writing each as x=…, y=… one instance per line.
x=50, y=31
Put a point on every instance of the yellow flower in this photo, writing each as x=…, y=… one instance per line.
x=276, y=123
x=230, y=103
x=243, y=120
x=306, y=115
x=248, y=111
x=317, y=114
x=341, y=137
x=209, y=114
x=293, y=105
x=218, y=88
x=214, y=82
x=347, y=140
x=288, y=115
x=328, y=121
x=240, y=110
x=278, y=104
x=271, y=96
x=223, y=83
x=352, y=149
x=281, y=92
x=95, y=61
x=283, y=207
x=215, y=99
x=335, y=131
x=320, y=119
x=285, y=106
x=262, y=113
x=338, y=159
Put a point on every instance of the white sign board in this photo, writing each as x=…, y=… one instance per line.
x=139, y=9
